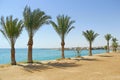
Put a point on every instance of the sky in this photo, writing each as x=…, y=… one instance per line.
x=101, y=16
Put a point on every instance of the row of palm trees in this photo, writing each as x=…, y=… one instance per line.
x=12, y=28
x=90, y=36
x=109, y=37
x=32, y=21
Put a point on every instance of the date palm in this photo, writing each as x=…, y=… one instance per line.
x=108, y=37
x=33, y=20
x=63, y=27
x=90, y=36
x=11, y=29
x=114, y=44
x=114, y=39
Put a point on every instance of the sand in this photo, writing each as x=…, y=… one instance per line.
x=97, y=67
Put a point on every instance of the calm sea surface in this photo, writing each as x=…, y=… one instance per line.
x=40, y=54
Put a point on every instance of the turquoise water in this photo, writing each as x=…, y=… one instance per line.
x=40, y=54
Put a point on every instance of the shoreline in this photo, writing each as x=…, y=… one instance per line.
x=21, y=55
x=46, y=61
x=52, y=61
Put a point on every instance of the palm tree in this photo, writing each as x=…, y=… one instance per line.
x=114, y=39
x=108, y=37
x=11, y=29
x=114, y=44
x=90, y=36
x=63, y=27
x=33, y=20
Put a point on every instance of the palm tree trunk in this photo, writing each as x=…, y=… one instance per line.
x=115, y=49
x=30, y=44
x=107, y=46
x=90, y=49
x=13, y=61
x=62, y=45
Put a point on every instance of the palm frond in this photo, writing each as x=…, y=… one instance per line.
x=55, y=27
x=70, y=29
x=4, y=35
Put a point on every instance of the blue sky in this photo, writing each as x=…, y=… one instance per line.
x=102, y=16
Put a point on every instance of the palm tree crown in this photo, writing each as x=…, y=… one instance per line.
x=108, y=37
x=90, y=36
x=11, y=29
x=63, y=27
x=114, y=39
x=33, y=20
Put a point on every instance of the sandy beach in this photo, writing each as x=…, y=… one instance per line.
x=97, y=67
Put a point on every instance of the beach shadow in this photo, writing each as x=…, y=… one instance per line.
x=105, y=56
x=63, y=64
x=38, y=66
x=87, y=59
x=77, y=59
x=34, y=67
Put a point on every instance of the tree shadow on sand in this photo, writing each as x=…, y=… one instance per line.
x=86, y=59
x=38, y=66
x=105, y=56
x=63, y=64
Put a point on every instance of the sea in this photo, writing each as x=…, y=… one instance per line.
x=41, y=54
